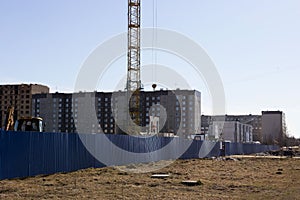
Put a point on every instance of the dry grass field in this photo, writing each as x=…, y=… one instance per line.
x=247, y=178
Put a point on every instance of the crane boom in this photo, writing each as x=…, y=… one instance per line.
x=9, y=124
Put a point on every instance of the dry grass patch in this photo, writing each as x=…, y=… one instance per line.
x=249, y=178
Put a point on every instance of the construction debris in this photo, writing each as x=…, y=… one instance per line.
x=191, y=183
x=160, y=176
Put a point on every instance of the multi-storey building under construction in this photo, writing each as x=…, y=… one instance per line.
x=105, y=112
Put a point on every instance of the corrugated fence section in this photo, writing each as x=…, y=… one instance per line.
x=24, y=154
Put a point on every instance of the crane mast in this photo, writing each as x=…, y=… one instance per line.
x=133, y=59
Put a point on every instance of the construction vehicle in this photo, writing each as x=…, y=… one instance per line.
x=29, y=124
x=24, y=123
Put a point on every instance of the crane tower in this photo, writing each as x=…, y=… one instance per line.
x=133, y=58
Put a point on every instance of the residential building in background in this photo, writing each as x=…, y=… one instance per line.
x=273, y=127
x=20, y=97
x=253, y=120
x=163, y=111
x=233, y=131
x=176, y=110
x=267, y=128
x=105, y=112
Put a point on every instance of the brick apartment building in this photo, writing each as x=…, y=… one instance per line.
x=20, y=97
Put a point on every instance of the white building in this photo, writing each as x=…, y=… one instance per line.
x=232, y=131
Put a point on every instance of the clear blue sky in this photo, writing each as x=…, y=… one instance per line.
x=255, y=44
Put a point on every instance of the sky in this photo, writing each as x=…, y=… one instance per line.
x=255, y=45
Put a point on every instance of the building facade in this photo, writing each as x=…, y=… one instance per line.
x=233, y=131
x=20, y=97
x=174, y=112
x=268, y=128
x=273, y=127
x=253, y=120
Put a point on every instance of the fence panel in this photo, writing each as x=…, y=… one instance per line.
x=24, y=154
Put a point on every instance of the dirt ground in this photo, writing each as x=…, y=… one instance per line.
x=246, y=178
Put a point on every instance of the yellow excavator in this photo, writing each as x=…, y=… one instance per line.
x=24, y=123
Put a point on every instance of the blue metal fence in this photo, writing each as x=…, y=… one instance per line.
x=24, y=154
x=241, y=148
